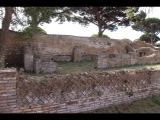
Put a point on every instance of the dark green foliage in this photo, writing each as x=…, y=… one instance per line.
x=145, y=26
x=105, y=17
x=147, y=38
x=103, y=35
x=133, y=16
x=41, y=15
x=28, y=32
x=29, y=29
x=151, y=28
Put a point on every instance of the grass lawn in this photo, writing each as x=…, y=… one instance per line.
x=147, y=105
x=88, y=65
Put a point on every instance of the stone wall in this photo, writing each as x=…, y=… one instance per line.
x=60, y=47
x=143, y=55
x=32, y=61
x=76, y=92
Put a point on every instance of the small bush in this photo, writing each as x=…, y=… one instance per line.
x=27, y=33
x=29, y=30
x=104, y=35
x=126, y=39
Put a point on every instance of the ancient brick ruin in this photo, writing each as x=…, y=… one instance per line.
x=32, y=61
x=143, y=55
x=45, y=50
x=74, y=93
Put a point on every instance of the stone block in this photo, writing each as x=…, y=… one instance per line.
x=49, y=67
x=77, y=54
x=101, y=61
x=37, y=65
x=28, y=62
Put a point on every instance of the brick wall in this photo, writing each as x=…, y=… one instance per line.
x=8, y=90
x=105, y=60
x=51, y=46
x=76, y=92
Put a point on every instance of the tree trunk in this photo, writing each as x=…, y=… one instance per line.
x=5, y=28
x=100, y=32
x=34, y=28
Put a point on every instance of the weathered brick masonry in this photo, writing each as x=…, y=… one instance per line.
x=75, y=92
x=61, y=47
x=8, y=96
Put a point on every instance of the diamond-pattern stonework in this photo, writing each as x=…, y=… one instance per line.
x=60, y=88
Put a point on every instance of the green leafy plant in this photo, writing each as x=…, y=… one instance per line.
x=103, y=35
x=125, y=39
x=99, y=93
x=29, y=29
x=28, y=33
x=129, y=93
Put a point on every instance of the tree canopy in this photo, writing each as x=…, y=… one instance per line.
x=149, y=26
x=106, y=17
x=146, y=26
x=147, y=38
x=40, y=15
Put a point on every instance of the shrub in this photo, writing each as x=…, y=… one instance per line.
x=29, y=30
x=125, y=39
x=27, y=33
x=103, y=35
x=145, y=37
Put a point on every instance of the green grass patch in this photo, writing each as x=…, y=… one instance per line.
x=88, y=65
x=75, y=67
x=146, y=105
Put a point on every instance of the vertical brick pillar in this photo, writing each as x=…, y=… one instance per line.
x=7, y=90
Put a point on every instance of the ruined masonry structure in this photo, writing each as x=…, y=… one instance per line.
x=143, y=55
x=32, y=61
x=74, y=93
x=52, y=48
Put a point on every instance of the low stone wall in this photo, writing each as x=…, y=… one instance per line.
x=76, y=92
x=144, y=55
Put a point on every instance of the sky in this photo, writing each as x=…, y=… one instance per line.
x=75, y=29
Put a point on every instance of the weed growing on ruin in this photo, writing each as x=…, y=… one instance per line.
x=99, y=93
x=42, y=80
x=129, y=93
